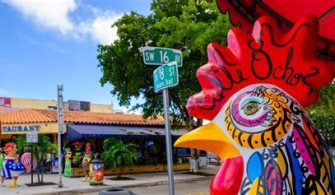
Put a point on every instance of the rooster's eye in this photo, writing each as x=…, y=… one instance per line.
x=250, y=108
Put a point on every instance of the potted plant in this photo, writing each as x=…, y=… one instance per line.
x=118, y=154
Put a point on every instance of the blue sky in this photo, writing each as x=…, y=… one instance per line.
x=48, y=42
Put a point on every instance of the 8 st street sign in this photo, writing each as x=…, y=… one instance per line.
x=160, y=56
x=165, y=76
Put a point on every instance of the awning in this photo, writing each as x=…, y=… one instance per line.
x=101, y=131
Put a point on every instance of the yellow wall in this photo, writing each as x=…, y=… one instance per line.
x=105, y=108
x=44, y=104
x=31, y=103
x=45, y=128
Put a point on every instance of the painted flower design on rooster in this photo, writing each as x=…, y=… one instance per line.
x=254, y=92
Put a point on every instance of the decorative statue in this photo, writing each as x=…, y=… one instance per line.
x=68, y=164
x=26, y=161
x=11, y=165
x=86, y=161
x=76, y=153
x=96, y=171
x=254, y=92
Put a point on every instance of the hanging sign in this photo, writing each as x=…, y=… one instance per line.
x=32, y=137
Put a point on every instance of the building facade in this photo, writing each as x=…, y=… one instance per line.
x=91, y=127
x=8, y=103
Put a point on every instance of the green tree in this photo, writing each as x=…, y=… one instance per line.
x=186, y=25
x=118, y=154
x=39, y=150
x=325, y=122
x=326, y=101
x=323, y=113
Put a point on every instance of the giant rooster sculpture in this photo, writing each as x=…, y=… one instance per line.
x=254, y=92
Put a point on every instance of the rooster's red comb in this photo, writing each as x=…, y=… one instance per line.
x=268, y=56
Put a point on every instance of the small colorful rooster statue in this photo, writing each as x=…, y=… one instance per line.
x=11, y=166
x=86, y=161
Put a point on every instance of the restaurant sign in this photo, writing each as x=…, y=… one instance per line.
x=19, y=128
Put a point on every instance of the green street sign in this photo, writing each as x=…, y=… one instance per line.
x=165, y=76
x=160, y=56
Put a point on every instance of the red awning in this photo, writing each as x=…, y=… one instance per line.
x=245, y=12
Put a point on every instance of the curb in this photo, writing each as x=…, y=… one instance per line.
x=99, y=188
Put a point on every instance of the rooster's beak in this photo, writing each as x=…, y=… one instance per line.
x=210, y=138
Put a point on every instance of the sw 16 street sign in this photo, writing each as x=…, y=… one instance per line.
x=165, y=76
x=160, y=56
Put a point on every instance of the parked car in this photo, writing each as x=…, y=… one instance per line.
x=213, y=158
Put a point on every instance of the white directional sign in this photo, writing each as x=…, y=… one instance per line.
x=32, y=137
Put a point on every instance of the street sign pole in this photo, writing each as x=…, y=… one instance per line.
x=60, y=130
x=168, y=140
x=32, y=165
x=32, y=137
x=165, y=76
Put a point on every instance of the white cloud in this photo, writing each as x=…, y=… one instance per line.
x=101, y=28
x=51, y=14
x=55, y=15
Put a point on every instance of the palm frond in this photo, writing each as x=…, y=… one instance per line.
x=119, y=154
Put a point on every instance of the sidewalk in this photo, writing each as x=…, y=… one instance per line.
x=75, y=186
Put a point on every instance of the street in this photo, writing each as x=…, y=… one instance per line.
x=153, y=183
x=200, y=187
x=185, y=188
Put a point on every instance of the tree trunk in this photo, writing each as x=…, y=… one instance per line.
x=120, y=172
x=42, y=171
x=38, y=176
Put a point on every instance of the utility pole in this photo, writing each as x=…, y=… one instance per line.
x=60, y=119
